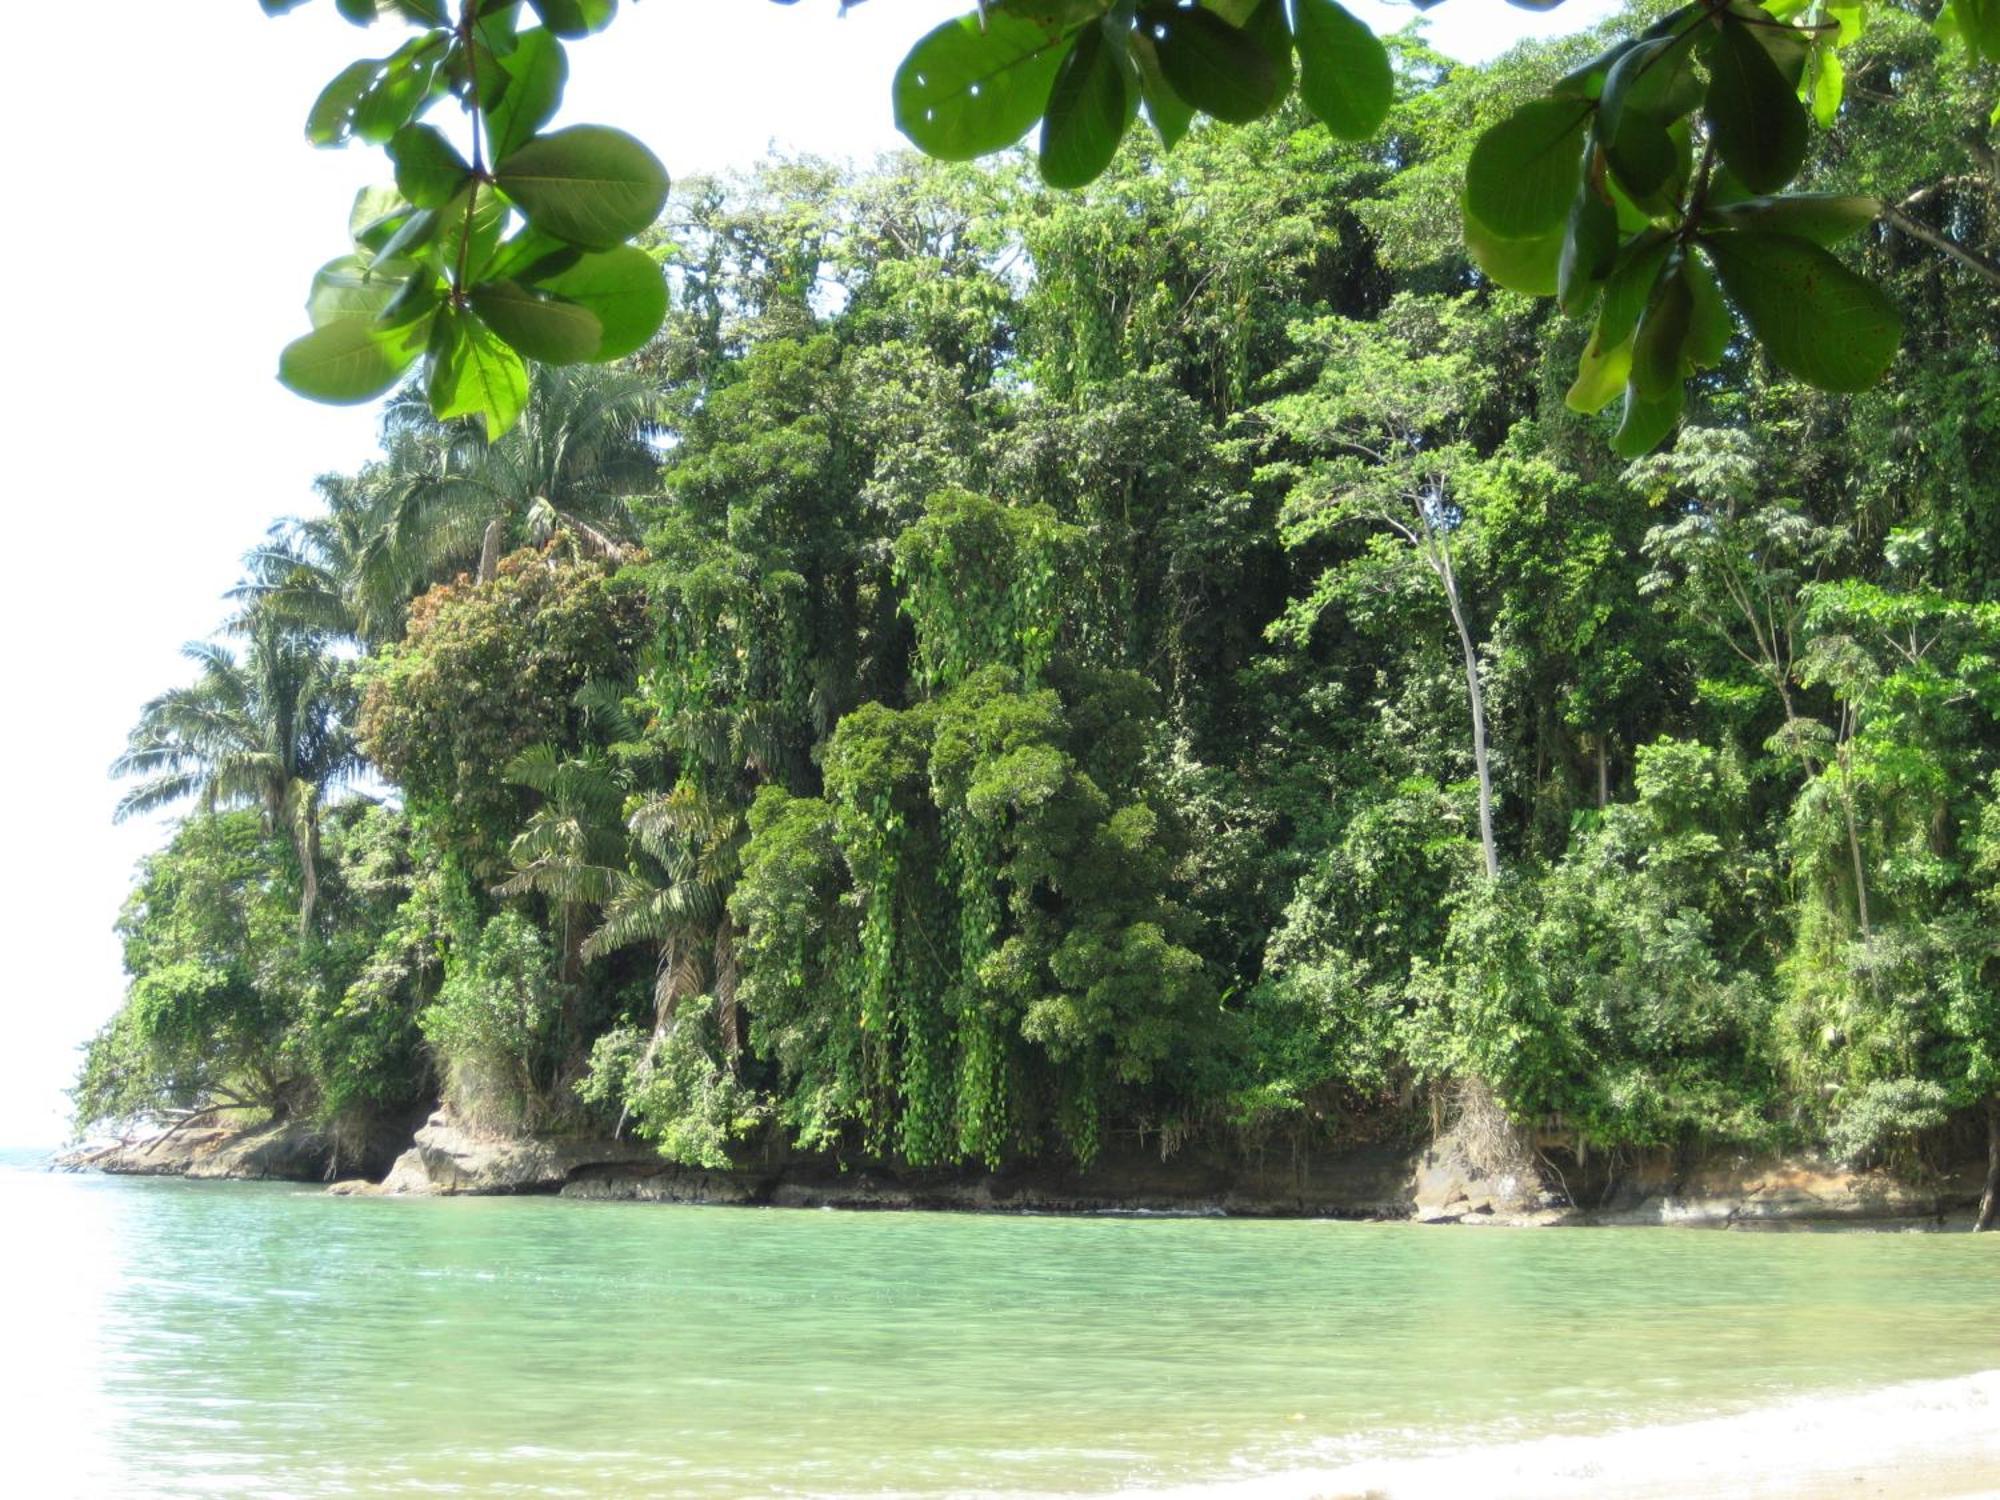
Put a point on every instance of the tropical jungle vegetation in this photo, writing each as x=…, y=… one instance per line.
x=1003, y=673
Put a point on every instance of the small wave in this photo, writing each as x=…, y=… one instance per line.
x=1930, y=1438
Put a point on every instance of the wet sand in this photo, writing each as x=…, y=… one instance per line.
x=1922, y=1441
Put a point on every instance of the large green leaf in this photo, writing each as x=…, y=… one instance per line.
x=1979, y=24
x=1823, y=218
x=1606, y=362
x=1091, y=104
x=1663, y=333
x=469, y=231
x=1601, y=374
x=1587, y=81
x=1645, y=95
x=1235, y=12
x=1641, y=154
x=1814, y=317
x=1654, y=78
x=413, y=233
x=1710, y=327
x=428, y=167
x=376, y=214
x=1829, y=84
x=623, y=288
x=496, y=32
x=1522, y=173
x=1590, y=80
x=575, y=17
x=351, y=360
x=1530, y=265
x=475, y=373
x=1647, y=420
x=401, y=88
x=1272, y=27
x=534, y=74
x=1590, y=246
x=529, y=255
x=1758, y=123
x=1786, y=45
x=589, y=184
x=1344, y=74
x=1219, y=69
x=354, y=286
x=1170, y=113
x=976, y=84
x=331, y=119
x=1630, y=286
x=544, y=328
x=417, y=300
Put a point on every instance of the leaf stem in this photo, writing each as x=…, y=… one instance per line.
x=466, y=19
x=1698, y=195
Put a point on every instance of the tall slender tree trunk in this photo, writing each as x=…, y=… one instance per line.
x=729, y=1017
x=569, y=975
x=1441, y=565
x=1860, y=870
x=664, y=998
x=1989, y=1201
x=489, y=548
x=1854, y=850
x=1603, y=773
x=307, y=834
x=572, y=943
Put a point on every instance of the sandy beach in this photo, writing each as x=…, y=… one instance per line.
x=1920, y=1441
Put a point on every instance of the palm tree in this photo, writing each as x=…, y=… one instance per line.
x=271, y=730
x=445, y=498
x=347, y=573
x=442, y=499
x=691, y=838
x=694, y=841
x=571, y=851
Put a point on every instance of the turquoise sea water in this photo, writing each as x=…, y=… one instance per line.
x=204, y=1339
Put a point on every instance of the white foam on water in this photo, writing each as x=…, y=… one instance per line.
x=1927, y=1439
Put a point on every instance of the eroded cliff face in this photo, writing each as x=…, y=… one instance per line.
x=1465, y=1176
x=449, y=1157
x=277, y=1151
x=1764, y=1192
x=1483, y=1171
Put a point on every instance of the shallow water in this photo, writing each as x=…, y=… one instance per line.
x=177, y=1338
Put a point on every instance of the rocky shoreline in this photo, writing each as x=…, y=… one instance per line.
x=1446, y=1181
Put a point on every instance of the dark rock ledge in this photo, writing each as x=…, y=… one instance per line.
x=1444, y=1182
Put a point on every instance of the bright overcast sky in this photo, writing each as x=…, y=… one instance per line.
x=167, y=217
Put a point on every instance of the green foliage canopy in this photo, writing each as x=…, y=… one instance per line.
x=1646, y=190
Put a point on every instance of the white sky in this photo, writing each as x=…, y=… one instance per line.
x=165, y=217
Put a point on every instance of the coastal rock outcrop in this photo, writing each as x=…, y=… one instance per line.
x=284, y=1151
x=1753, y=1191
x=1471, y=1174
x=448, y=1157
x=1362, y=1182
x=1482, y=1169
